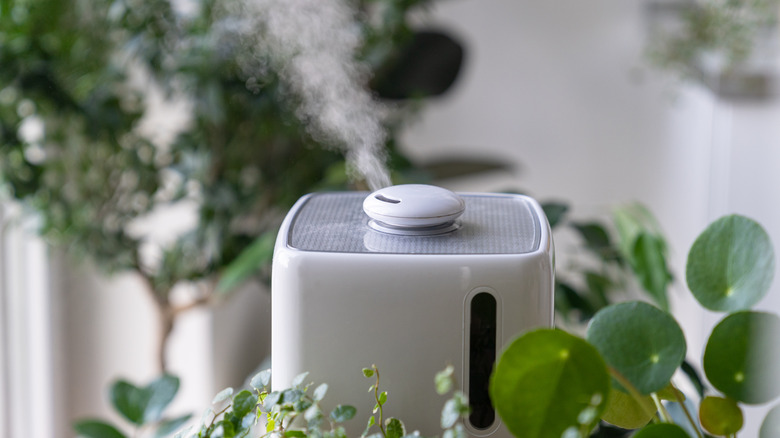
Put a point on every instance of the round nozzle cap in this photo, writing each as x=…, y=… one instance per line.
x=413, y=209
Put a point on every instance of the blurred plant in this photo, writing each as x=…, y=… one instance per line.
x=712, y=31
x=113, y=112
x=622, y=372
x=611, y=260
x=143, y=407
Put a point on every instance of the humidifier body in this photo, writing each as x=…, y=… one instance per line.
x=347, y=295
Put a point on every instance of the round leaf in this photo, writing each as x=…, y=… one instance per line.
x=243, y=403
x=720, y=416
x=742, y=354
x=641, y=342
x=662, y=430
x=343, y=413
x=96, y=429
x=731, y=264
x=160, y=392
x=770, y=428
x=129, y=400
x=547, y=381
x=624, y=411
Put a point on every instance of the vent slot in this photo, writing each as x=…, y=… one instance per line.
x=483, y=329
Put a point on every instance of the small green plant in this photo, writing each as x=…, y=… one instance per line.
x=295, y=412
x=549, y=383
x=142, y=407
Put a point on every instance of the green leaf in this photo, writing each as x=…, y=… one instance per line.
x=222, y=396
x=625, y=411
x=720, y=416
x=257, y=254
x=555, y=211
x=648, y=260
x=96, y=429
x=294, y=434
x=731, y=264
x=641, y=342
x=129, y=400
x=444, y=380
x=343, y=413
x=320, y=391
x=228, y=429
x=368, y=372
x=167, y=427
x=662, y=430
x=382, y=398
x=298, y=380
x=243, y=403
x=595, y=236
x=371, y=422
x=544, y=382
x=394, y=428
x=160, y=394
x=261, y=379
x=742, y=354
x=449, y=414
x=770, y=427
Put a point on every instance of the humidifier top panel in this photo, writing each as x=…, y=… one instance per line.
x=491, y=224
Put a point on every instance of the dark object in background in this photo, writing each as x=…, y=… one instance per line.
x=427, y=66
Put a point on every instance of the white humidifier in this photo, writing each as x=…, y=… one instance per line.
x=411, y=278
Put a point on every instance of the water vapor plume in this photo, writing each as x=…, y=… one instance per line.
x=312, y=43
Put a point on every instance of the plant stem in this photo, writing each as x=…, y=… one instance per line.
x=376, y=396
x=661, y=408
x=648, y=408
x=688, y=415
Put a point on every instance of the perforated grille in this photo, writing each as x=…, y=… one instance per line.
x=491, y=224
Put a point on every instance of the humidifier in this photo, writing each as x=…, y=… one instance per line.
x=412, y=278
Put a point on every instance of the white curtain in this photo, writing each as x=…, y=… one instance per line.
x=28, y=387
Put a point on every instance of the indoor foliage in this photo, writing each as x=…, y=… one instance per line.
x=295, y=412
x=549, y=383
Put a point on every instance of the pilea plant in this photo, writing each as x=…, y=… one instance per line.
x=550, y=383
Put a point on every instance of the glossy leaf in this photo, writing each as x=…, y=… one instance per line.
x=648, y=260
x=394, y=428
x=168, y=427
x=720, y=416
x=160, y=394
x=624, y=411
x=444, y=380
x=641, y=342
x=662, y=430
x=261, y=379
x=96, y=429
x=731, y=264
x=742, y=354
x=770, y=427
x=320, y=391
x=243, y=403
x=343, y=413
x=129, y=400
x=545, y=381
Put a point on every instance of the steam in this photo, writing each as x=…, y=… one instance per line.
x=313, y=43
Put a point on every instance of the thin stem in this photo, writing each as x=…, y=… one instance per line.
x=688, y=415
x=376, y=396
x=648, y=408
x=661, y=408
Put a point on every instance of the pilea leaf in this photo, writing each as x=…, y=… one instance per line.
x=662, y=430
x=640, y=341
x=565, y=374
x=770, y=427
x=742, y=354
x=731, y=264
x=720, y=416
x=624, y=411
x=96, y=429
